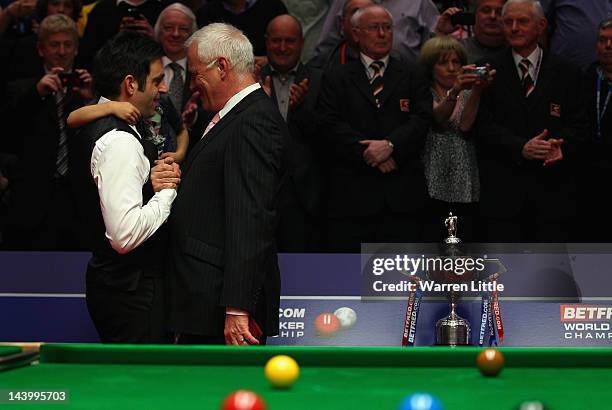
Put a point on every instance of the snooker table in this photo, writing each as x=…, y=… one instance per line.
x=199, y=377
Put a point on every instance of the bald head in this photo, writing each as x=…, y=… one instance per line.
x=284, y=43
x=284, y=21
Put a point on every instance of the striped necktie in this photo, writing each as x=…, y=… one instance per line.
x=175, y=90
x=376, y=82
x=526, y=79
x=61, y=162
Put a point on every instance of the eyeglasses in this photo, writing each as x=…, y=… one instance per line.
x=375, y=28
x=206, y=68
x=212, y=63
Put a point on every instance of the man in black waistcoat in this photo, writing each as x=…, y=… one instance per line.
x=120, y=210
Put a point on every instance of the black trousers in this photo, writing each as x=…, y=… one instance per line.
x=127, y=316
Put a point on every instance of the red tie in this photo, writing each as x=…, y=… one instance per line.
x=211, y=124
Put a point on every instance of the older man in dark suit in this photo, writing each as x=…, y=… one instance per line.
x=175, y=24
x=531, y=125
x=294, y=88
x=225, y=281
x=375, y=114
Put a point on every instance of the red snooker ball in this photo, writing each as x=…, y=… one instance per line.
x=327, y=324
x=490, y=362
x=243, y=400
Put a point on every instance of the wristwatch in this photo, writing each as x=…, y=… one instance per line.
x=449, y=97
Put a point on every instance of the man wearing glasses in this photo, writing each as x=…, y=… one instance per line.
x=175, y=25
x=375, y=113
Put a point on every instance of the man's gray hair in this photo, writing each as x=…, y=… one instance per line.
x=181, y=8
x=224, y=40
x=536, y=7
x=360, y=12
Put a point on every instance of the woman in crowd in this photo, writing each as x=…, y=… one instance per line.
x=449, y=156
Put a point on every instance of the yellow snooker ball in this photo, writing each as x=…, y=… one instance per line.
x=282, y=371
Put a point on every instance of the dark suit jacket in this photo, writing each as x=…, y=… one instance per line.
x=349, y=114
x=338, y=54
x=597, y=157
x=223, y=222
x=507, y=120
x=36, y=126
x=186, y=89
x=304, y=164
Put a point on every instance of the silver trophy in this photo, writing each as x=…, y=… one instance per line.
x=452, y=330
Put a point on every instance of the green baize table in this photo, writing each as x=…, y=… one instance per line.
x=199, y=377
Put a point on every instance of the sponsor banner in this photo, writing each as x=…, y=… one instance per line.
x=586, y=323
x=549, y=299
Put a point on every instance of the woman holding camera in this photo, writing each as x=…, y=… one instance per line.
x=449, y=156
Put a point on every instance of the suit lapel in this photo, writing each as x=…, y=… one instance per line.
x=300, y=74
x=223, y=123
x=265, y=72
x=392, y=76
x=358, y=77
x=187, y=88
x=510, y=80
x=543, y=81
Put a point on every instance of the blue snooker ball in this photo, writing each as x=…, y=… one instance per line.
x=421, y=401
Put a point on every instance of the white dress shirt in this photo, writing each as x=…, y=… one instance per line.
x=236, y=98
x=367, y=61
x=120, y=168
x=535, y=58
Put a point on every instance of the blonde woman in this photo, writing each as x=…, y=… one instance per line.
x=449, y=156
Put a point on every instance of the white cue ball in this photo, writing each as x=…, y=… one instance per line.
x=346, y=316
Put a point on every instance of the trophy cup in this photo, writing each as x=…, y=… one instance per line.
x=452, y=330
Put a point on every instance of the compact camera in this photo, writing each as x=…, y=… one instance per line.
x=70, y=80
x=482, y=72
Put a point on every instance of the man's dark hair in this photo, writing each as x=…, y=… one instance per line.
x=607, y=23
x=128, y=53
x=41, y=9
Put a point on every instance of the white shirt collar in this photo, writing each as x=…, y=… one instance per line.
x=182, y=62
x=236, y=98
x=367, y=61
x=533, y=57
x=104, y=100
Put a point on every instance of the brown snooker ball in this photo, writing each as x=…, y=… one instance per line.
x=490, y=362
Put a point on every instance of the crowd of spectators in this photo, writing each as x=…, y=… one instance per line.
x=494, y=110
